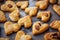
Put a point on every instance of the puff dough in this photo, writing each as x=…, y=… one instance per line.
x=39, y=28
x=9, y=6
x=22, y=36
x=26, y=21
x=52, y=1
x=55, y=24
x=9, y=27
x=2, y=16
x=42, y=4
x=44, y=15
x=22, y=4
x=52, y=36
x=32, y=11
x=4, y=38
x=14, y=16
x=56, y=8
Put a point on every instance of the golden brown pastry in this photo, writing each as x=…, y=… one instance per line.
x=9, y=6
x=4, y=38
x=39, y=28
x=42, y=4
x=8, y=0
x=52, y=1
x=14, y=16
x=32, y=11
x=52, y=36
x=2, y=16
x=9, y=27
x=26, y=21
x=44, y=15
x=22, y=36
x=22, y=4
x=59, y=30
x=55, y=24
x=56, y=8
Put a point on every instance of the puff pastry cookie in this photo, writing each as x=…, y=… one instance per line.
x=9, y=27
x=4, y=38
x=22, y=4
x=26, y=21
x=9, y=6
x=56, y=8
x=14, y=16
x=44, y=15
x=38, y=28
x=52, y=36
x=55, y=24
x=53, y=1
x=32, y=11
x=59, y=29
x=42, y=4
x=2, y=16
x=9, y=0
x=22, y=36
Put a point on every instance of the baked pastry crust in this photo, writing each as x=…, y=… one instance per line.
x=39, y=28
x=2, y=16
x=51, y=36
x=14, y=16
x=32, y=11
x=56, y=8
x=9, y=6
x=44, y=15
x=22, y=4
x=22, y=36
x=59, y=29
x=9, y=27
x=55, y=24
x=26, y=21
x=52, y=1
x=42, y=4
x=4, y=38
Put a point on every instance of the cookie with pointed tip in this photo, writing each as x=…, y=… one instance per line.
x=4, y=38
x=51, y=36
x=39, y=28
x=56, y=8
x=22, y=4
x=22, y=36
x=2, y=16
x=14, y=16
x=55, y=24
x=9, y=6
x=26, y=21
x=42, y=4
x=9, y=27
x=44, y=15
x=52, y=1
x=32, y=11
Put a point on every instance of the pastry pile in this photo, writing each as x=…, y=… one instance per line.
x=38, y=27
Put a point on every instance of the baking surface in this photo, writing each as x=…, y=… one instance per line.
x=54, y=16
